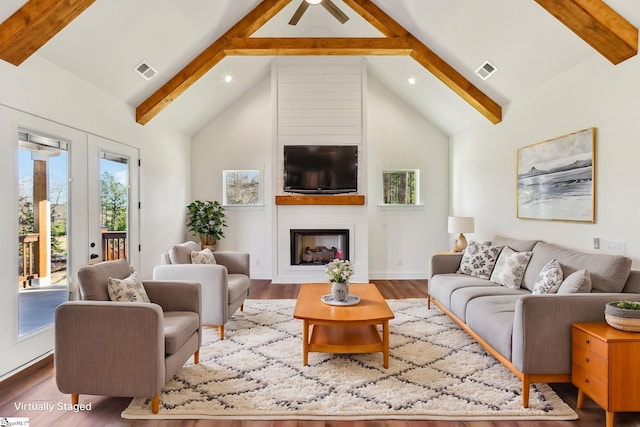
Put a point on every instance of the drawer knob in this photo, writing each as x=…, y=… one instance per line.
x=587, y=341
x=586, y=359
x=586, y=380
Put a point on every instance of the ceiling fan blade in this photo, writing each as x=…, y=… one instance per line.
x=299, y=12
x=335, y=11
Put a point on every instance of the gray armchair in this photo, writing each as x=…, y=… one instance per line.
x=225, y=285
x=125, y=348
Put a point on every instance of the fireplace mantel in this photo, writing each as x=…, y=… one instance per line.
x=323, y=199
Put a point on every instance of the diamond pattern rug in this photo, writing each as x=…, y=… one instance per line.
x=436, y=371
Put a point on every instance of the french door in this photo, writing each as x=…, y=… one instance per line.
x=113, y=204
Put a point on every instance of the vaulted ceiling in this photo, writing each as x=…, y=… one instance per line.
x=440, y=43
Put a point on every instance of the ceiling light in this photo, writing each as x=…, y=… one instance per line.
x=411, y=80
x=314, y=1
x=228, y=78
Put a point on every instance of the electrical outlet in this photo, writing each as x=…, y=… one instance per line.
x=615, y=247
x=399, y=262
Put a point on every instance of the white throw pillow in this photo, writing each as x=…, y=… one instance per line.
x=577, y=282
x=549, y=279
x=510, y=268
x=478, y=260
x=127, y=290
x=205, y=256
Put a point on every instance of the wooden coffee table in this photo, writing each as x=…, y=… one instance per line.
x=337, y=329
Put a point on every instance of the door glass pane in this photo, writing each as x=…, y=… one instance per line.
x=42, y=229
x=114, y=202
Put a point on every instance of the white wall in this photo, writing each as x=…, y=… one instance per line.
x=39, y=91
x=240, y=138
x=592, y=94
x=402, y=239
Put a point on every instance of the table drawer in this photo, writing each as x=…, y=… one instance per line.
x=589, y=384
x=591, y=362
x=590, y=343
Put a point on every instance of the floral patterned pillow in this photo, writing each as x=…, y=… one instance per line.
x=549, y=279
x=127, y=290
x=510, y=267
x=478, y=260
x=205, y=256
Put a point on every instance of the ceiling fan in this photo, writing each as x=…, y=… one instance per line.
x=327, y=4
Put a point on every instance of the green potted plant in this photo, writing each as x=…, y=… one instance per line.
x=623, y=315
x=206, y=219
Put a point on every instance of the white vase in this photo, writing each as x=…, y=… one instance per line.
x=340, y=291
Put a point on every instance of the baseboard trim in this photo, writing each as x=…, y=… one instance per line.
x=24, y=371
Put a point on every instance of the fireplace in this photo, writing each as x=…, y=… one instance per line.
x=318, y=246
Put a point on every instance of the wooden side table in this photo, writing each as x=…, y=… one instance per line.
x=605, y=367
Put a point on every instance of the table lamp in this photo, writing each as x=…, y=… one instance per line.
x=459, y=225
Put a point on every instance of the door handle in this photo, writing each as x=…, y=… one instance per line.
x=94, y=256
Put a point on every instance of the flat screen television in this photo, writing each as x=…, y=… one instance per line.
x=321, y=169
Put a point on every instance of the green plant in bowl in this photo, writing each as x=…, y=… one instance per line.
x=628, y=305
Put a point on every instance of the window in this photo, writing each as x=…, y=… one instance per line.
x=400, y=187
x=241, y=188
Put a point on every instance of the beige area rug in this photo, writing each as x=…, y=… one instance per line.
x=436, y=372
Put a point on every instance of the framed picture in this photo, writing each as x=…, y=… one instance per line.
x=241, y=188
x=556, y=178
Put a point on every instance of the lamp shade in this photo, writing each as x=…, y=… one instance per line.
x=461, y=224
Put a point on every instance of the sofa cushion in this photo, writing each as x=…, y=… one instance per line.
x=608, y=272
x=181, y=254
x=510, y=267
x=549, y=279
x=478, y=260
x=492, y=317
x=178, y=328
x=515, y=244
x=129, y=289
x=92, y=280
x=460, y=297
x=441, y=286
x=204, y=256
x=238, y=286
x=577, y=282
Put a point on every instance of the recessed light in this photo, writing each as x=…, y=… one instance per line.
x=411, y=80
x=228, y=78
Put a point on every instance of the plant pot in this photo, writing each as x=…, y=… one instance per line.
x=622, y=318
x=340, y=291
x=208, y=242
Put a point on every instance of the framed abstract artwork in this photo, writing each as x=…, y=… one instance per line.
x=556, y=178
x=241, y=188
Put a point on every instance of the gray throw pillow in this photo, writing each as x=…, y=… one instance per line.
x=181, y=254
x=549, y=279
x=577, y=282
x=510, y=268
x=479, y=260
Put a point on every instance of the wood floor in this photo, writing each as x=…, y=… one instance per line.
x=38, y=387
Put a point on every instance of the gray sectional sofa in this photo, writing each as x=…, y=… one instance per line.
x=530, y=333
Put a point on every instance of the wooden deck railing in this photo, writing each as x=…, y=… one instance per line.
x=28, y=267
x=114, y=245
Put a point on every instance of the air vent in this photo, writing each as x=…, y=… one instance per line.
x=146, y=70
x=486, y=70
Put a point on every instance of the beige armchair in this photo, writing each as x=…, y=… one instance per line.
x=125, y=348
x=225, y=285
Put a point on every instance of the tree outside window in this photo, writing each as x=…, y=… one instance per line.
x=400, y=187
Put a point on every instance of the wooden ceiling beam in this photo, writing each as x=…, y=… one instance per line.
x=237, y=41
x=597, y=24
x=429, y=60
x=206, y=60
x=34, y=24
x=317, y=46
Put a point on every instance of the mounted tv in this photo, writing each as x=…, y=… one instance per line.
x=321, y=169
